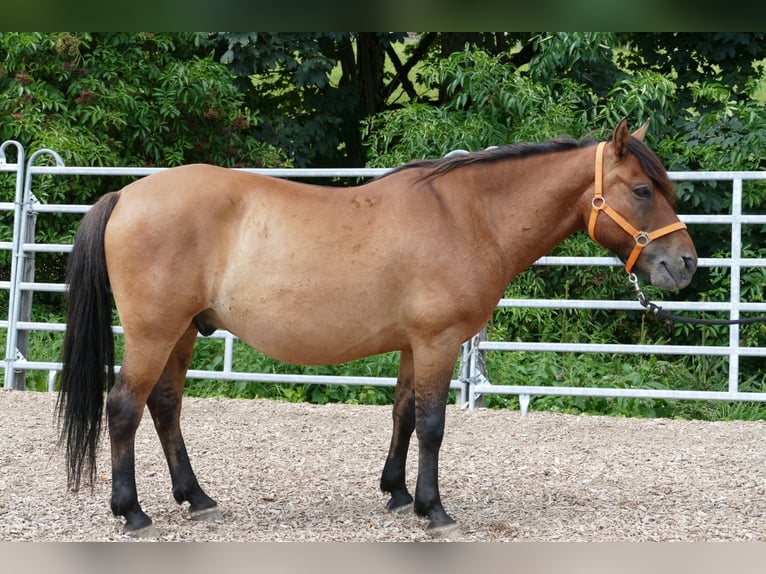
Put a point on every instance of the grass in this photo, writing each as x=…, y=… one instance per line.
x=622, y=372
x=507, y=368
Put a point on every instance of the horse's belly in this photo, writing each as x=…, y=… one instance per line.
x=316, y=334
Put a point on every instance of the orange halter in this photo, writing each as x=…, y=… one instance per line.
x=642, y=238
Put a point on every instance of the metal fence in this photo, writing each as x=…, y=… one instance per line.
x=472, y=380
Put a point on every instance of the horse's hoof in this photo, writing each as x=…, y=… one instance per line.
x=446, y=532
x=400, y=507
x=211, y=514
x=143, y=533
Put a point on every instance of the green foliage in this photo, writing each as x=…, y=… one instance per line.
x=724, y=57
x=487, y=104
x=583, y=57
x=124, y=99
x=492, y=103
x=287, y=75
x=326, y=99
x=118, y=99
x=575, y=83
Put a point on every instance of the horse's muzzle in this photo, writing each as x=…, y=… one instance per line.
x=672, y=271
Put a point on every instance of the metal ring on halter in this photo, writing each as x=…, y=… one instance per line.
x=643, y=239
x=601, y=201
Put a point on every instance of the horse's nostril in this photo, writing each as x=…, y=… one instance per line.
x=690, y=262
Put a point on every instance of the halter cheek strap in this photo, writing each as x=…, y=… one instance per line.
x=599, y=204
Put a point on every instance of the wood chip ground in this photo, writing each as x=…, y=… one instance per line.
x=301, y=472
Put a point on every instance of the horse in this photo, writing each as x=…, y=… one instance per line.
x=313, y=275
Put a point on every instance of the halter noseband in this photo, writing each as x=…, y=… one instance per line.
x=642, y=238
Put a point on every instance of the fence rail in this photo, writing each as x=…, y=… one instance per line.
x=472, y=381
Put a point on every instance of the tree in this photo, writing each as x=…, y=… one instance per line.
x=730, y=58
x=125, y=99
x=495, y=98
x=288, y=77
x=314, y=90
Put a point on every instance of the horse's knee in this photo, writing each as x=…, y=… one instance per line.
x=165, y=408
x=123, y=415
x=118, y=410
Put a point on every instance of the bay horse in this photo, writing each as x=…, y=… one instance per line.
x=413, y=261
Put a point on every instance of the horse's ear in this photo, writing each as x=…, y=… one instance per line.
x=641, y=132
x=620, y=138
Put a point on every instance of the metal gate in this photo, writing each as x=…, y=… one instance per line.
x=472, y=380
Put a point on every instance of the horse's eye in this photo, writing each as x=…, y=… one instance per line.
x=644, y=192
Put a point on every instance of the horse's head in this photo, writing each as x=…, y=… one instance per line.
x=630, y=211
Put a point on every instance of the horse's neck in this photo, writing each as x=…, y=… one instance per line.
x=534, y=203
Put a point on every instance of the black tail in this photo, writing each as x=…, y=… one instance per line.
x=88, y=353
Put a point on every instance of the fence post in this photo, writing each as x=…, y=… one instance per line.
x=10, y=349
x=477, y=369
x=27, y=275
x=735, y=283
x=23, y=270
x=463, y=374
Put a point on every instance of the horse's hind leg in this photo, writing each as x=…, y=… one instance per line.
x=165, y=407
x=141, y=368
x=393, y=477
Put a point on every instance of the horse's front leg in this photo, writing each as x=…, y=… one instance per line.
x=431, y=395
x=393, y=477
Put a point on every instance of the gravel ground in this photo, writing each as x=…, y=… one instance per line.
x=300, y=472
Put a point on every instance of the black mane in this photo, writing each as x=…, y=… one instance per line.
x=438, y=167
x=520, y=150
